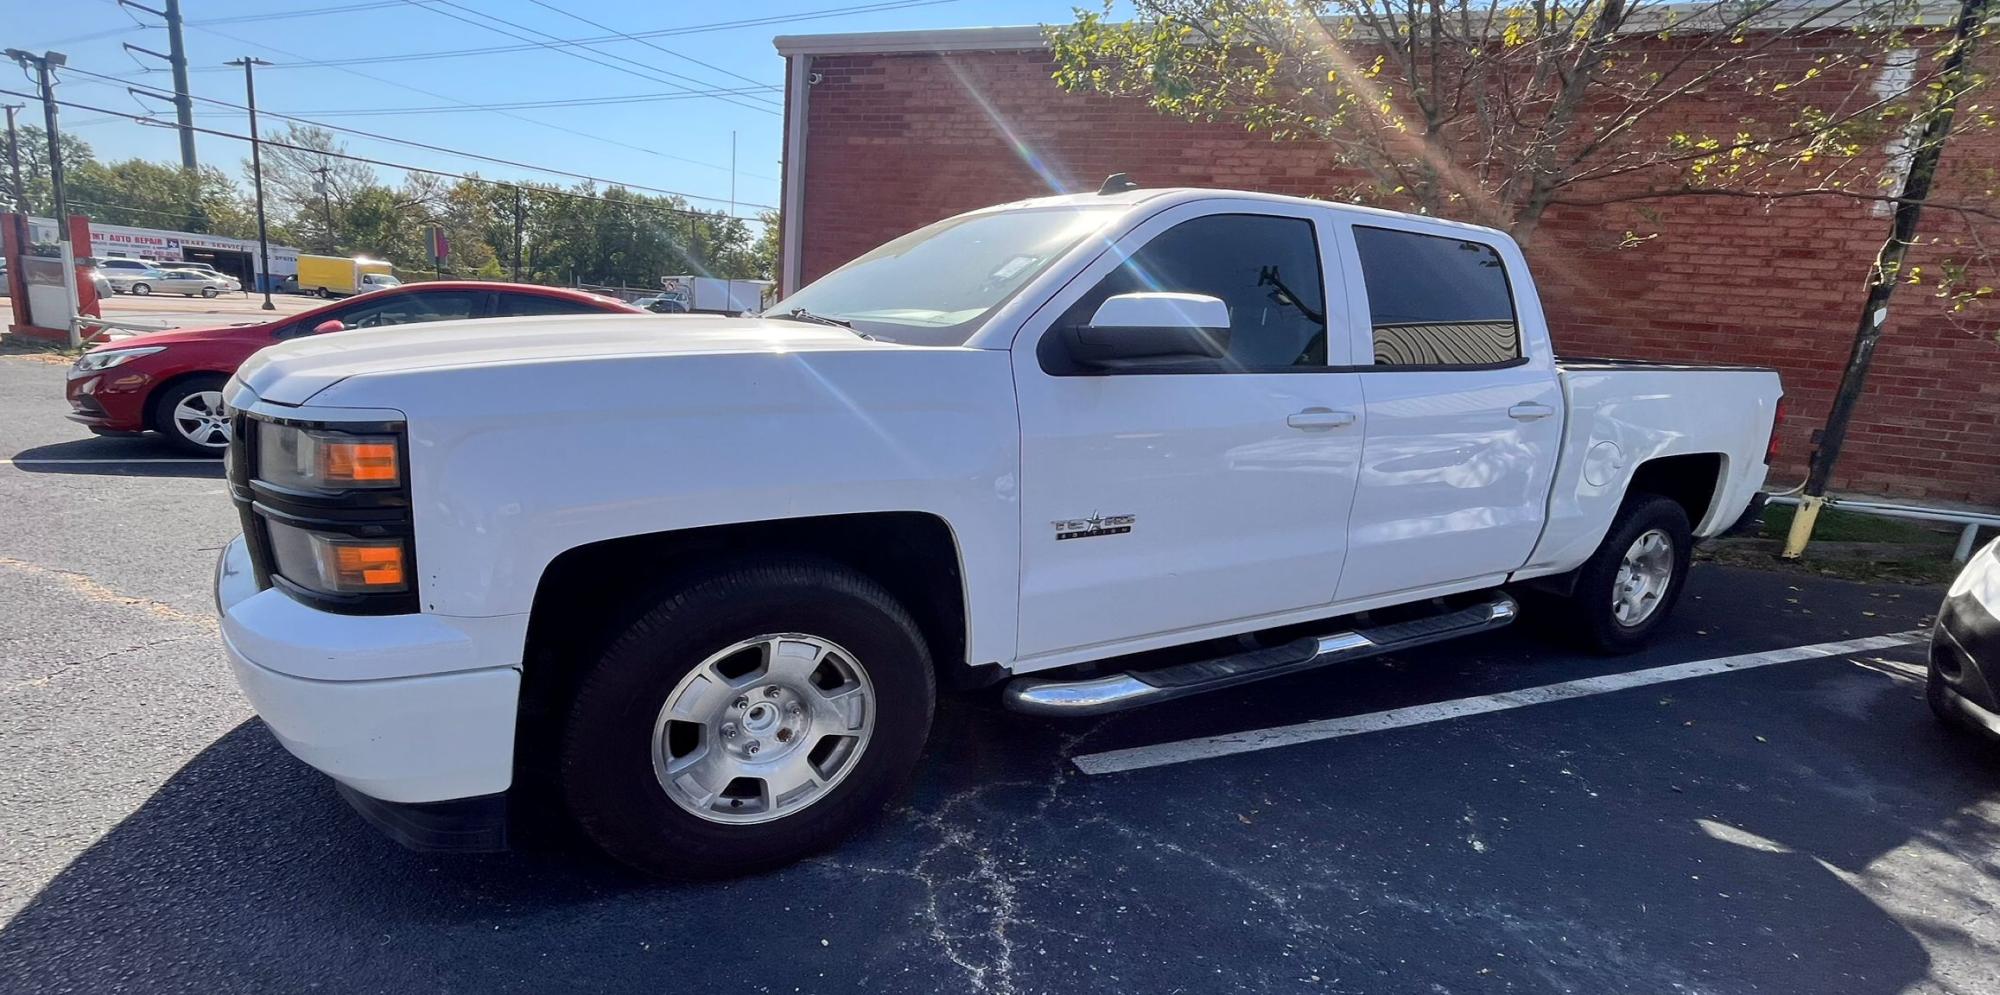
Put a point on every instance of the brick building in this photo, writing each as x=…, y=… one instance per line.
x=888, y=132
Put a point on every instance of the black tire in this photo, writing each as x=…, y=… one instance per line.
x=322, y=293
x=142, y=289
x=209, y=292
x=167, y=400
x=605, y=760
x=1585, y=617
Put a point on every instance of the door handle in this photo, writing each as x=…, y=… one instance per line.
x=1320, y=419
x=1530, y=411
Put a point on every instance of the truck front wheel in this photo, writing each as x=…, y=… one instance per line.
x=1629, y=586
x=755, y=715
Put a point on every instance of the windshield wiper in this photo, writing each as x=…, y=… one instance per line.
x=801, y=314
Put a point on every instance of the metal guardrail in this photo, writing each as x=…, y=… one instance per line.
x=1968, y=538
x=78, y=322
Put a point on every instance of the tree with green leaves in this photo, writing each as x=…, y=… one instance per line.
x=305, y=182
x=1496, y=110
x=160, y=195
x=35, y=164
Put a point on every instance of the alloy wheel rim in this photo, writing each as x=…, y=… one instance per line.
x=201, y=419
x=1643, y=577
x=763, y=728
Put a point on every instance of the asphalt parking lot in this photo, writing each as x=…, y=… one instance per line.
x=1795, y=826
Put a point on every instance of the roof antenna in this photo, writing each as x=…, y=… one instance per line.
x=1117, y=183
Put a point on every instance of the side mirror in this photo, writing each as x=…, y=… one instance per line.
x=329, y=325
x=1153, y=326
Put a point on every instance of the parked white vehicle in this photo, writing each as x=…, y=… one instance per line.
x=193, y=283
x=705, y=583
x=127, y=278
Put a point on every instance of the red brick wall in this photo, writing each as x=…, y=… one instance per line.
x=894, y=142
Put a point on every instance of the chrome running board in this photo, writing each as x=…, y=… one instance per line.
x=1117, y=692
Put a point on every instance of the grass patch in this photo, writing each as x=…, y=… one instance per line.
x=1848, y=545
x=1835, y=525
x=47, y=352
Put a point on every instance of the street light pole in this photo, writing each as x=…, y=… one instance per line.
x=257, y=173
x=45, y=66
x=326, y=201
x=14, y=161
x=518, y=219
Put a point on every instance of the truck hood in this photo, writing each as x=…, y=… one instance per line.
x=292, y=372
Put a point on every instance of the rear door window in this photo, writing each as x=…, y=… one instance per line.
x=1437, y=301
x=513, y=305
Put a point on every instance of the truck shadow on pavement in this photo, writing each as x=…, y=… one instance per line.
x=1621, y=843
x=116, y=456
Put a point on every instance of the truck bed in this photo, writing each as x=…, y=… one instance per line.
x=1624, y=413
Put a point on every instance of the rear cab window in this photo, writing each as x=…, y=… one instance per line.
x=1437, y=301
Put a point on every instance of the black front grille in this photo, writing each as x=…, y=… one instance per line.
x=237, y=463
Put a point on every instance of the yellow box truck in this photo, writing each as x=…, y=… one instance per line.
x=340, y=276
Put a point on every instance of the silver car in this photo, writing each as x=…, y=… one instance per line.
x=192, y=282
x=98, y=282
x=138, y=280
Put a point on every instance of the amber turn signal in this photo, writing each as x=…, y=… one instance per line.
x=359, y=567
x=369, y=463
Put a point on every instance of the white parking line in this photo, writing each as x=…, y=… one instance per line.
x=1207, y=747
x=69, y=462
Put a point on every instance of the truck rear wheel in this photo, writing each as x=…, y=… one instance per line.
x=755, y=715
x=1630, y=585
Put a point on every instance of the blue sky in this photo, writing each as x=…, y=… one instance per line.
x=681, y=145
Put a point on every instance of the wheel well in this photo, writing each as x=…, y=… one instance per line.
x=1690, y=479
x=152, y=409
x=590, y=593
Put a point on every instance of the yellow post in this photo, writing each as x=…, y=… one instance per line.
x=1802, y=526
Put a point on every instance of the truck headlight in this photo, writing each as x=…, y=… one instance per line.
x=311, y=459
x=338, y=564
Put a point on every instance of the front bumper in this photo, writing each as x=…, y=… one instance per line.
x=425, y=751
x=112, y=401
x=1965, y=645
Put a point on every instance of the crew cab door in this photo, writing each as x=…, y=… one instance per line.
x=1165, y=497
x=1464, y=411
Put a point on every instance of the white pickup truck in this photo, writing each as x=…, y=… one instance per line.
x=700, y=579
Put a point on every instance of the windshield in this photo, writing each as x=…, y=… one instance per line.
x=937, y=285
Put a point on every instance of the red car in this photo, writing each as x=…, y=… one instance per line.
x=171, y=382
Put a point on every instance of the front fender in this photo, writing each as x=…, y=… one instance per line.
x=512, y=465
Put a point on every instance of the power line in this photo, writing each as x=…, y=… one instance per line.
x=280, y=15
x=508, y=114
x=405, y=167
x=440, y=148
x=284, y=15
x=181, y=216
x=636, y=98
x=106, y=33
x=643, y=41
x=642, y=71
x=557, y=43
